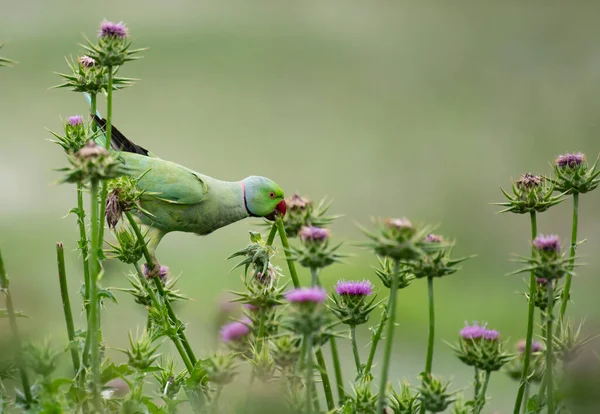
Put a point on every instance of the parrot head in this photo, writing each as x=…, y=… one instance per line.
x=262, y=197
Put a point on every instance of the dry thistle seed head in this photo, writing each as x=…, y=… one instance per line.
x=481, y=348
x=351, y=304
x=220, y=368
x=302, y=212
x=124, y=195
x=530, y=193
x=574, y=175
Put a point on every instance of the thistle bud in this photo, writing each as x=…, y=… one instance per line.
x=285, y=350
x=568, y=342
x=92, y=162
x=220, y=368
x=397, y=239
x=169, y=381
x=434, y=395
x=257, y=254
x=574, y=175
x=404, y=402
x=547, y=262
x=76, y=135
x=315, y=252
x=129, y=248
x=536, y=365
x=351, y=304
x=41, y=358
x=141, y=354
x=364, y=400
x=436, y=260
x=481, y=348
x=263, y=365
x=531, y=193
x=306, y=314
x=540, y=299
x=385, y=272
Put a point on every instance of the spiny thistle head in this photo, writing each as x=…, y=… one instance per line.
x=92, y=162
x=169, y=382
x=574, y=175
x=141, y=354
x=262, y=363
x=481, y=348
x=364, y=400
x=302, y=212
x=514, y=368
x=306, y=314
x=285, y=350
x=568, y=342
x=129, y=249
x=433, y=394
x=236, y=335
x=351, y=304
x=404, y=402
x=437, y=259
x=531, y=193
x=386, y=270
x=315, y=252
x=397, y=239
x=88, y=77
x=86, y=61
x=41, y=358
x=257, y=254
x=76, y=135
x=220, y=368
x=540, y=299
x=547, y=263
x=161, y=271
x=113, y=47
x=124, y=195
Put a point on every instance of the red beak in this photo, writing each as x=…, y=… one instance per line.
x=281, y=207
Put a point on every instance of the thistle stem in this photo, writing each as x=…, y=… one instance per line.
x=430, y=342
x=377, y=336
x=64, y=294
x=567, y=288
x=286, y=248
x=335, y=356
x=355, y=349
x=549, y=352
x=161, y=291
x=155, y=302
x=481, y=398
x=272, y=233
x=308, y=374
x=387, y=355
x=325, y=379
x=314, y=277
x=94, y=315
x=108, y=140
x=530, y=324
x=476, y=384
x=83, y=246
x=15, y=331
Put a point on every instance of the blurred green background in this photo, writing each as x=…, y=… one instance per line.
x=388, y=108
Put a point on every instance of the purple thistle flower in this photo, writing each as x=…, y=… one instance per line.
x=399, y=223
x=472, y=331
x=570, y=160
x=433, y=238
x=112, y=30
x=354, y=288
x=490, y=334
x=86, y=61
x=535, y=346
x=530, y=181
x=312, y=233
x=550, y=243
x=306, y=295
x=75, y=120
x=297, y=202
x=235, y=330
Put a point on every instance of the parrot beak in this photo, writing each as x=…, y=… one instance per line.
x=280, y=209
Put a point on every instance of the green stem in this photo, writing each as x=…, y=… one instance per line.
x=355, y=349
x=64, y=294
x=215, y=403
x=83, y=246
x=93, y=110
x=261, y=330
x=387, y=355
x=155, y=302
x=272, y=234
x=567, y=289
x=477, y=384
x=530, y=324
x=309, y=371
x=94, y=316
x=339, y=381
x=286, y=248
x=314, y=277
x=161, y=291
x=526, y=397
x=480, y=403
x=325, y=379
x=549, y=346
x=15, y=331
x=377, y=337
x=108, y=140
x=430, y=342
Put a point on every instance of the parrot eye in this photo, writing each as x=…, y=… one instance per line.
x=271, y=194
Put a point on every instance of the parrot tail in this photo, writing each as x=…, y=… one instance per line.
x=118, y=141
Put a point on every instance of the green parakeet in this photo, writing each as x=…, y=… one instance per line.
x=177, y=198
